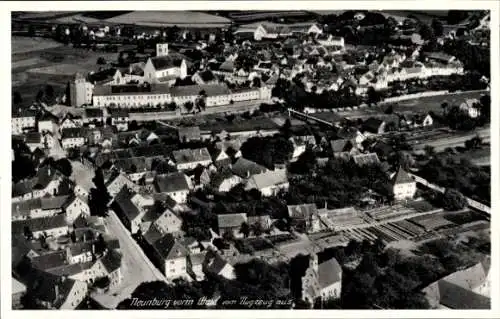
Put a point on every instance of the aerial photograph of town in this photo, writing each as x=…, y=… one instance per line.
x=250, y=160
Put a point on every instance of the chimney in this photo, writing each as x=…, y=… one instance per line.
x=93, y=249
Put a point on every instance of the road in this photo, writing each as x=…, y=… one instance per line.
x=136, y=266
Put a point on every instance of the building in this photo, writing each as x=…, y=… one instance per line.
x=93, y=116
x=18, y=292
x=131, y=95
x=305, y=217
x=53, y=226
x=322, y=280
x=195, y=266
x=168, y=222
x=215, y=264
x=404, y=186
x=328, y=40
x=343, y=148
x=38, y=207
x=214, y=94
x=72, y=137
x=171, y=255
x=245, y=168
x=53, y=292
x=231, y=223
x=300, y=143
x=186, y=159
x=164, y=68
x=80, y=91
x=76, y=206
x=119, y=119
x=176, y=185
x=46, y=182
x=22, y=120
x=366, y=159
x=373, y=126
x=116, y=182
x=269, y=183
x=47, y=123
x=128, y=210
x=34, y=140
x=464, y=289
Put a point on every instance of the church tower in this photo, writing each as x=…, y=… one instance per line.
x=161, y=49
x=78, y=90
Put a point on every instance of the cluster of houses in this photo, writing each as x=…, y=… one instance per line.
x=59, y=250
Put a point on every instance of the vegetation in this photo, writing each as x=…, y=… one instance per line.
x=273, y=150
x=99, y=196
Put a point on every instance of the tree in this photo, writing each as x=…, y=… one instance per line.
x=437, y=27
x=373, y=96
x=429, y=151
x=426, y=32
x=188, y=106
x=257, y=229
x=101, y=61
x=28, y=233
x=133, y=126
x=245, y=229
x=389, y=110
x=64, y=166
x=16, y=98
x=99, y=196
x=453, y=200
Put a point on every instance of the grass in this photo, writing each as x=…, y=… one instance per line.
x=25, y=44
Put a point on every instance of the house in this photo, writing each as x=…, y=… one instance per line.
x=46, y=182
x=305, y=217
x=224, y=181
x=120, y=119
x=300, y=144
x=165, y=69
x=366, y=159
x=53, y=226
x=116, y=182
x=204, y=77
x=187, y=134
x=18, y=292
x=264, y=220
x=215, y=264
x=173, y=256
x=230, y=147
x=262, y=31
x=22, y=119
x=269, y=183
x=176, y=185
x=190, y=158
x=322, y=280
x=373, y=126
x=38, y=207
x=72, y=137
x=464, y=289
x=245, y=168
x=71, y=121
x=214, y=94
x=168, y=222
x=34, y=140
x=80, y=252
x=53, y=292
x=47, y=122
x=335, y=219
x=110, y=266
x=129, y=212
x=76, y=206
x=343, y=148
x=231, y=223
x=131, y=95
x=404, y=186
x=220, y=158
x=471, y=107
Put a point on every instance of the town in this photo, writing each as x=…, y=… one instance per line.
x=251, y=160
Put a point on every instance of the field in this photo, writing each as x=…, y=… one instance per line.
x=38, y=62
x=164, y=18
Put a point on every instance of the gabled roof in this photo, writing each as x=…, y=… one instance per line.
x=455, y=297
x=243, y=167
x=190, y=133
x=365, y=159
x=191, y=155
x=402, y=177
x=112, y=261
x=168, y=248
x=72, y=132
x=231, y=220
x=42, y=287
x=165, y=62
x=213, y=263
x=342, y=145
x=33, y=138
x=123, y=202
x=169, y=183
x=192, y=90
x=266, y=179
x=50, y=260
x=39, y=224
x=329, y=272
x=372, y=124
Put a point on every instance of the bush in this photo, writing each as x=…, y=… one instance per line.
x=453, y=200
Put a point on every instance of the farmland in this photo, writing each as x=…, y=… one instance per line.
x=38, y=62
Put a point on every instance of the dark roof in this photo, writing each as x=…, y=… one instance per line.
x=168, y=247
x=152, y=235
x=191, y=155
x=131, y=89
x=231, y=220
x=112, y=261
x=192, y=90
x=169, y=183
x=213, y=263
x=72, y=269
x=49, y=261
x=42, y=287
x=123, y=202
x=372, y=125
x=402, y=177
x=93, y=112
x=329, y=272
x=207, y=75
x=33, y=138
x=80, y=248
x=22, y=113
x=165, y=62
x=456, y=297
x=244, y=167
x=39, y=224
